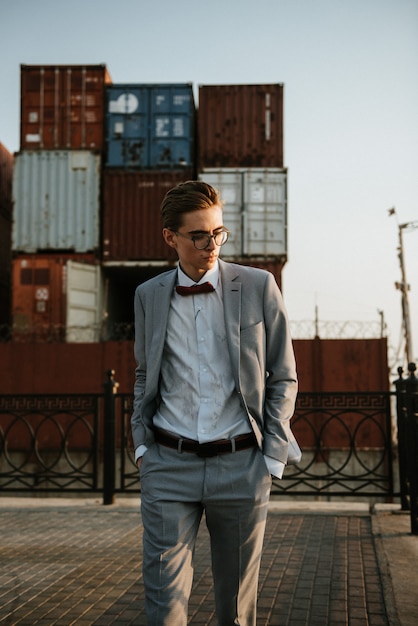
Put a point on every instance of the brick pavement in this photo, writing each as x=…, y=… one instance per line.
x=81, y=565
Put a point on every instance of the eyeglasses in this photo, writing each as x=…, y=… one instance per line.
x=202, y=240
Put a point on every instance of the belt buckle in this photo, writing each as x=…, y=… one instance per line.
x=206, y=450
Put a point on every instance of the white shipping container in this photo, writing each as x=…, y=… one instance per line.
x=56, y=201
x=255, y=209
x=229, y=183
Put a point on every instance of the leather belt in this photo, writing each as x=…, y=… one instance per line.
x=211, y=448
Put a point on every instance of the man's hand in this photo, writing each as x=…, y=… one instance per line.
x=139, y=461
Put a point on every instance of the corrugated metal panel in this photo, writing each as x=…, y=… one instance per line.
x=132, y=227
x=6, y=170
x=150, y=126
x=40, y=294
x=255, y=209
x=240, y=126
x=56, y=201
x=275, y=266
x=6, y=173
x=357, y=365
x=265, y=212
x=62, y=106
x=229, y=182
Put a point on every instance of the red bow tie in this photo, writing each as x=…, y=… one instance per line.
x=189, y=291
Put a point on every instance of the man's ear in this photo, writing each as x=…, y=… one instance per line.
x=170, y=238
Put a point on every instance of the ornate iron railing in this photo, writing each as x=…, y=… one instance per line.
x=49, y=442
x=347, y=446
x=82, y=443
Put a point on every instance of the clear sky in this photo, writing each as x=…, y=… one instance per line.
x=350, y=75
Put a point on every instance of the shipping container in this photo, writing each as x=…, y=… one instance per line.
x=57, y=298
x=62, y=107
x=132, y=226
x=274, y=266
x=56, y=198
x=6, y=173
x=240, y=126
x=5, y=273
x=255, y=210
x=150, y=126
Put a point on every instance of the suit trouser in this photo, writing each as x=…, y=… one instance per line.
x=233, y=491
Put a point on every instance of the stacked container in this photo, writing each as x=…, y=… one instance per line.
x=95, y=162
x=56, y=193
x=6, y=172
x=62, y=107
x=240, y=152
x=150, y=148
x=150, y=126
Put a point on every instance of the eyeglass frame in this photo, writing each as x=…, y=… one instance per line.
x=209, y=237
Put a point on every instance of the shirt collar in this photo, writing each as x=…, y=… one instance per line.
x=211, y=275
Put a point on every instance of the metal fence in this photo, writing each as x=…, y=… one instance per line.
x=81, y=443
x=407, y=423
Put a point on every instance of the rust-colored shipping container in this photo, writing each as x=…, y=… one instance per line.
x=132, y=226
x=275, y=266
x=240, y=126
x=40, y=294
x=63, y=107
x=6, y=175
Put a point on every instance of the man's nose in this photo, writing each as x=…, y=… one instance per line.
x=211, y=245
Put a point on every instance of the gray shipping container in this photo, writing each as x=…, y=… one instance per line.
x=56, y=197
x=255, y=210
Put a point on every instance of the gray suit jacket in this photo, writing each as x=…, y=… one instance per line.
x=259, y=345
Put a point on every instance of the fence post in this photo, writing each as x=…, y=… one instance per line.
x=401, y=421
x=411, y=385
x=109, y=439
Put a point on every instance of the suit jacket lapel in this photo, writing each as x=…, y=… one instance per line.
x=158, y=322
x=231, y=291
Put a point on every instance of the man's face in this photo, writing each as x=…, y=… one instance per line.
x=203, y=221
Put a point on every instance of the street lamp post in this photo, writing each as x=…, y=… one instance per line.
x=404, y=288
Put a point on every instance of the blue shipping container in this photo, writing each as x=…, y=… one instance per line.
x=150, y=126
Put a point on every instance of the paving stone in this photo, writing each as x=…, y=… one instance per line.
x=82, y=565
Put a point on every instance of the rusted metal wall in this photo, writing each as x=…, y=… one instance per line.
x=65, y=367
x=342, y=364
x=323, y=365
x=56, y=196
x=63, y=107
x=6, y=172
x=132, y=227
x=240, y=125
x=275, y=266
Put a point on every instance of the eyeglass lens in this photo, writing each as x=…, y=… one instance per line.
x=202, y=241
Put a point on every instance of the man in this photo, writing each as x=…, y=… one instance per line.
x=215, y=389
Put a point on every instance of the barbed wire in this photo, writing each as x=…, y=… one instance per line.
x=57, y=333
x=328, y=329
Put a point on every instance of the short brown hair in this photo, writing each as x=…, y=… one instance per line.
x=191, y=195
